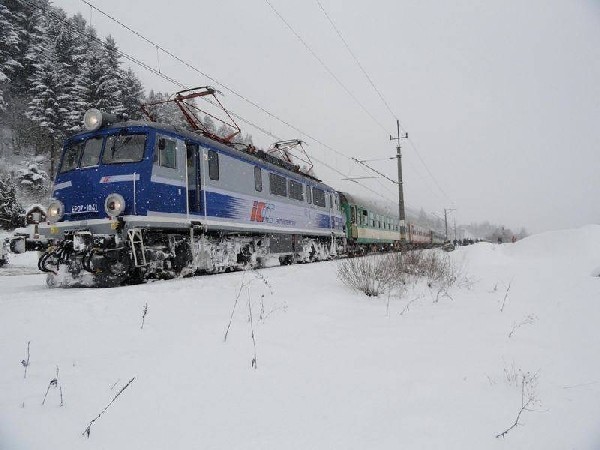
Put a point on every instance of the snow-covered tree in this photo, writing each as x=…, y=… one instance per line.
x=71, y=51
x=9, y=47
x=109, y=82
x=132, y=94
x=32, y=178
x=11, y=212
x=167, y=112
x=209, y=124
x=44, y=107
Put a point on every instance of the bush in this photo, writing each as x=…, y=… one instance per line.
x=377, y=274
x=373, y=274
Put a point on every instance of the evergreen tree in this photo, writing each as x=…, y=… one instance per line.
x=110, y=81
x=169, y=112
x=209, y=124
x=9, y=47
x=89, y=77
x=132, y=93
x=70, y=53
x=26, y=22
x=11, y=213
x=47, y=83
x=46, y=106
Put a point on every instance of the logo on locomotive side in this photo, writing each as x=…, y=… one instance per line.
x=257, y=212
x=262, y=212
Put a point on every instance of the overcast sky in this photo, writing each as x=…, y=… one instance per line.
x=501, y=99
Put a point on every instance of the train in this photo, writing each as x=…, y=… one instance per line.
x=136, y=200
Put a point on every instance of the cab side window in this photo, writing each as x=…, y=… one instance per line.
x=257, y=179
x=278, y=185
x=165, y=154
x=318, y=197
x=213, y=165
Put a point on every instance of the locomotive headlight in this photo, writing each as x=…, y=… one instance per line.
x=55, y=210
x=114, y=205
x=92, y=120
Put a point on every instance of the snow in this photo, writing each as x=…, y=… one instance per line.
x=333, y=370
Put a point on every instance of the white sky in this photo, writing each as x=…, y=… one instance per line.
x=501, y=98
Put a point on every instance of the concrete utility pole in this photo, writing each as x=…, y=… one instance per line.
x=401, y=213
x=446, y=219
x=454, y=227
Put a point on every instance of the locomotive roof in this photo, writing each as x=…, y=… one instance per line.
x=258, y=154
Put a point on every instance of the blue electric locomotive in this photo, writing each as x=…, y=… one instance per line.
x=136, y=200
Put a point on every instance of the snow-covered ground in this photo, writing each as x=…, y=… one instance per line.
x=333, y=370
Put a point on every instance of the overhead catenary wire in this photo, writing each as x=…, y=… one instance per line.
x=237, y=94
x=322, y=63
x=214, y=80
x=70, y=27
x=370, y=80
x=254, y=104
x=416, y=150
x=356, y=60
x=334, y=76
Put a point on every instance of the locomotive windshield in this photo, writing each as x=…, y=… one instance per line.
x=71, y=157
x=123, y=148
x=82, y=154
x=90, y=154
x=118, y=149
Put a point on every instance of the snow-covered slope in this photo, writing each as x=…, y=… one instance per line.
x=333, y=370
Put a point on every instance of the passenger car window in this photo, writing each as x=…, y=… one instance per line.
x=124, y=148
x=213, y=165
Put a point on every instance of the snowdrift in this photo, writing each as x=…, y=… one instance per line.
x=333, y=369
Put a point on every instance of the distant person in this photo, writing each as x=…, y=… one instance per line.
x=514, y=239
x=499, y=239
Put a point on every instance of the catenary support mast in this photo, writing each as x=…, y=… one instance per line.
x=401, y=212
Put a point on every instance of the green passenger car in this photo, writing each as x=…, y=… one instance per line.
x=368, y=224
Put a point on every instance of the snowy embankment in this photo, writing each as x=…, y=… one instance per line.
x=333, y=370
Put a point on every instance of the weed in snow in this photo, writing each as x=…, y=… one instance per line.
x=246, y=285
x=25, y=362
x=54, y=383
x=88, y=429
x=528, y=320
x=144, y=313
x=529, y=399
